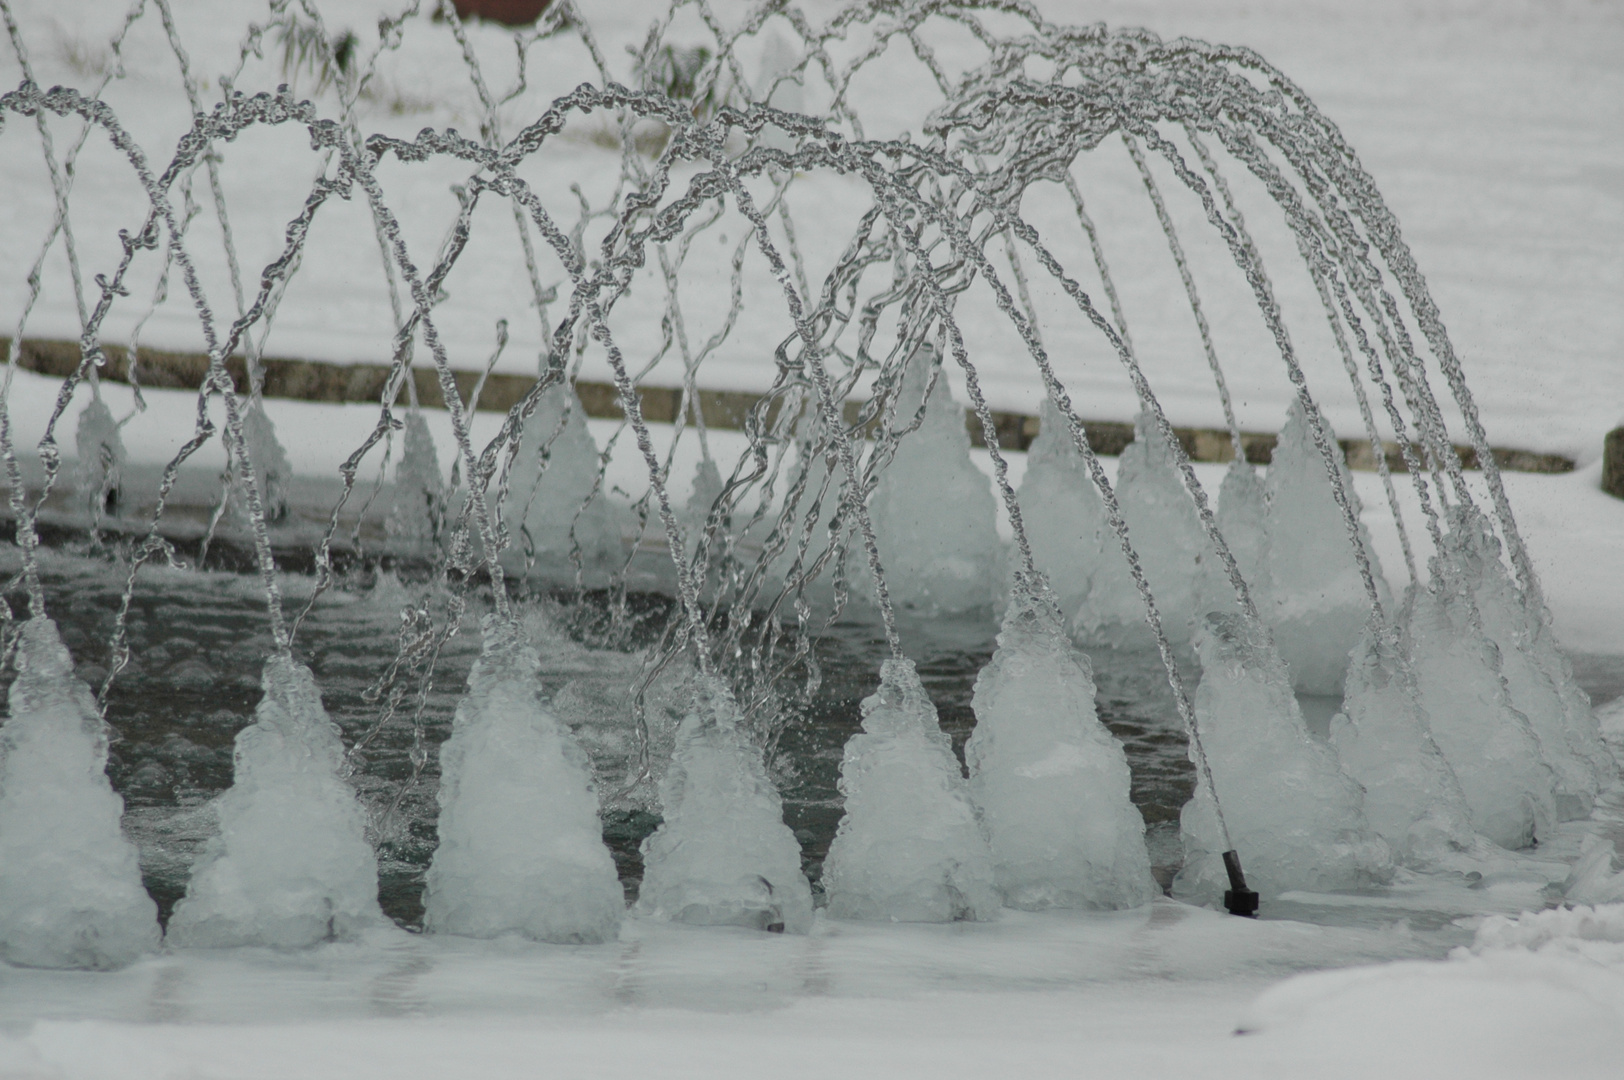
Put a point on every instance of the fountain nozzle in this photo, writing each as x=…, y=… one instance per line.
x=1238, y=898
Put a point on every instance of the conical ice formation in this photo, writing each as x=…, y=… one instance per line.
x=291, y=865
x=1295, y=817
x=521, y=844
x=70, y=883
x=933, y=511
x=1062, y=511
x=101, y=457
x=1384, y=740
x=723, y=856
x=1489, y=744
x=418, y=517
x=271, y=468
x=1318, y=601
x=1166, y=532
x=1050, y=783
x=909, y=848
x=1241, y=512
x=555, y=505
x=1566, y=747
x=695, y=513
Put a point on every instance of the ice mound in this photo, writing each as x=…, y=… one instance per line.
x=1062, y=511
x=1318, y=603
x=1592, y=879
x=419, y=514
x=1569, y=737
x=1295, y=817
x=521, y=845
x=554, y=501
x=290, y=866
x=1050, y=783
x=909, y=848
x=70, y=883
x=695, y=512
x=270, y=460
x=932, y=509
x=1166, y=533
x=101, y=456
x=1489, y=744
x=1241, y=518
x=1384, y=740
x=723, y=856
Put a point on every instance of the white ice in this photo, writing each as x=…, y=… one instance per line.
x=723, y=855
x=555, y=507
x=520, y=841
x=909, y=847
x=1488, y=743
x=1318, y=602
x=418, y=516
x=1384, y=740
x=1062, y=511
x=1048, y=780
x=1242, y=509
x=1569, y=739
x=1167, y=536
x=933, y=511
x=1294, y=816
x=101, y=455
x=291, y=865
x=71, y=894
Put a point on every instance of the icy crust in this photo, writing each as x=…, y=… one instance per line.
x=1569, y=738
x=909, y=847
x=695, y=513
x=1384, y=740
x=554, y=504
x=723, y=855
x=418, y=517
x=1062, y=511
x=1242, y=508
x=1295, y=817
x=521, y=844
x=1050, y=783
x=932, y=509
x=291, y=865
x=1488, y=743
x=70, y=883
x=1166, y=533
x=1317, y=603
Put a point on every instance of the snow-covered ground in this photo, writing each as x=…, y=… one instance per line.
x=1494, y=130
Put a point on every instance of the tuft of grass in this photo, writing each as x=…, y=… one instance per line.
x=305, y=49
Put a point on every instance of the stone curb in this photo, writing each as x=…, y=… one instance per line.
x=312, y=380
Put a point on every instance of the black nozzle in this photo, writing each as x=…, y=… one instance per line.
x=1238, y=898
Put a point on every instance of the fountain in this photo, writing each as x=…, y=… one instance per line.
x=841, y=501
